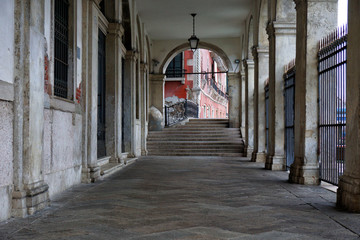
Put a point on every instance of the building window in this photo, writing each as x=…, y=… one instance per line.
x=61, y=48
x=204, y=111
x=175, y=68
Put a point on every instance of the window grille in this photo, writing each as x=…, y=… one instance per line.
x=61, y=48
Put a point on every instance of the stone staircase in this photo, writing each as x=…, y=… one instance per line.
x=198, y=137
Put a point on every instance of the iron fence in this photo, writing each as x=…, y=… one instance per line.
x=180, y=111
x=289, y=102
x=332, y=105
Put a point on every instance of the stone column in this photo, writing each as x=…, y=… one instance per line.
x=30, y=191
x=234, y=82
x=90, y=170
x=144, y=129
x=129, y=112
x=315, y=19
x=243, y=104
x=113, y=91
x=282, y=38
x=261, y=61
x=348, y=193
x=157, y=88
x=249, y=98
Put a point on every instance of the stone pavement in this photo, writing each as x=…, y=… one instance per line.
x=190, y=198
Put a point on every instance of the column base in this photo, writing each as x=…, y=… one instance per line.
x=27, y=202
x=144, y=152
x=259, y=157
x=348, y=194
x=275, y=163
x=308, y=175
x=249, y=152
x=94, y=173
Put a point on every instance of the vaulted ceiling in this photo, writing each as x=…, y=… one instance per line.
x=170, y=19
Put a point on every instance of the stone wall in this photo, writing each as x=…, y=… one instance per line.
x=62, y=150
x=6, y=159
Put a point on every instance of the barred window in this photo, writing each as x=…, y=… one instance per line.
x=61, y=48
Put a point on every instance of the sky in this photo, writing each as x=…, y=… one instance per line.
x=342, y=12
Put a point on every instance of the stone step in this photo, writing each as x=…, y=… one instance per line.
x=198, y=154
x=203, y=146
x=234, y=142
x=196, y=129
x=191, y=139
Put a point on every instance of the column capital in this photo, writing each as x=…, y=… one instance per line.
x=157, y=77
x=143, y=67
x=254, y=51
x=248, y=63
x=300, y=3
x=115, y=28
x=131, y=55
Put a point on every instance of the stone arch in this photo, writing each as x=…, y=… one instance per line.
x=263, y=22
x=204, y=45
x=140, y=48
x=148, y=60
x=250, y=38
x=126, y=18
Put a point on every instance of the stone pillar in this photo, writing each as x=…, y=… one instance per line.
x=243, y=104
x=30, y=191
x=261, y=62
x=234, y=82
x=249, y=98
x=90, y=170
x=157, y=88
x=129, y=98
x=113, y=91
x=144, y=102
x=348, y=193
x=315, y=19
x=282, y=39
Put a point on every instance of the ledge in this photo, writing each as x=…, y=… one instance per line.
x=62, y=104
x=6, y=91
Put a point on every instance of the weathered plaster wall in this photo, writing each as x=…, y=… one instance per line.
x=7, y=41
x=62, y=150
x=6, y=158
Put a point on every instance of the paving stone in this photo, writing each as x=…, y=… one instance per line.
x=189, y=198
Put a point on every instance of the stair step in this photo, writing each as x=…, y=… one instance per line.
x=199, y=154
x=197, y=137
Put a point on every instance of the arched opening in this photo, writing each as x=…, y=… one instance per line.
x=194, y=80
x=204, y=45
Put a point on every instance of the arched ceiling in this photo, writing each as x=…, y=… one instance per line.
x=170, y=19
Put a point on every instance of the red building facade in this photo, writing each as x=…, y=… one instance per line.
x=199, y=77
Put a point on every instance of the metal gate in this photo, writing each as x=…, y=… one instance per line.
x=101, y=96
x=289, y=100
x=267, y=116
x=332, y=105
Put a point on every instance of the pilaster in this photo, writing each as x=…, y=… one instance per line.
x=315, y=19
x=157, y=84
x=249, y=98
x=348, y=193
x=243, y=104
x=261, y=61
x=113, y=91
x=144, y=101
x=234, y=83
x=282, y=38
x=30, y=192
x=129, y=97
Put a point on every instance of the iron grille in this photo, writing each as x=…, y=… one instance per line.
x=289, y=99
x=332, y=105
x=101, y=95
x=61, y=48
